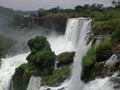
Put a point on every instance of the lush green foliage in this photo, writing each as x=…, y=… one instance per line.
x=65, y=58
x=39, y=43
x=58, y=76
x=41, y=55
x=42, y=58
x=89, y=58
x=97, y=27
x=88, y=62
x=104, y=50
x=40, y=62
x=22, y=76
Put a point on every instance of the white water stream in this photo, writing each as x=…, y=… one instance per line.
x=8, y=68
x=74, y=40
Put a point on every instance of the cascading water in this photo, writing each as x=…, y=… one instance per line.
x=75, y=82
x=7, y=69
x=75, y=39
x=34, y=83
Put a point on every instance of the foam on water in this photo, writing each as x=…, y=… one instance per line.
x=7, y=69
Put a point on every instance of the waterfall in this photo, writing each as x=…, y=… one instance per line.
x=74, y=40
x=34, y=83
x=7, y=69
x=75, y=82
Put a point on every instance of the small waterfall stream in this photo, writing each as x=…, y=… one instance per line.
x=34, y=83
x=75, y=82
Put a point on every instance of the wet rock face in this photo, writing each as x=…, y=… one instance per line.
x=115, y=79
x=48, y=89
x=118, y=56
x=116, y=87
x=99, y=71
x=117, y=65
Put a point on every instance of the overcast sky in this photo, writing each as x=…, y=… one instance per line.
x=46, y=4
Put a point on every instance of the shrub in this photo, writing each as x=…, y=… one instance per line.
x=65, y=58
x=22, y=76
x=38, y=43
x=88, y=62
x=89, y=58
x=97, y=27
x=58, y=76
x=103, y=50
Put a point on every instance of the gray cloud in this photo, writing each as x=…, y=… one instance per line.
x=35, y=4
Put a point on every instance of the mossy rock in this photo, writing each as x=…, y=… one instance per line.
x=58, y=76
x=41, y=62
x=22, y=76
x=104, y=50
x=38, y=43
x=100, y=70
x=87, y=73
x=88, y=65
x=65, y=58
x=41, y=55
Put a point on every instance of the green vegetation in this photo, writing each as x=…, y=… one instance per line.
x=88, y=62
x=41, y=55
x=58, y=76
x=41, y=63
x=22, y=76
x=93, y=61
x=65, y=58
x=104, y=18
x=105, y=22
x=97, y=27
x=89, y=58
x=41, y=60
x=104, y=50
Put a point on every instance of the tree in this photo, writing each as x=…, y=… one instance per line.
x=113, y=3
x=78, y=8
